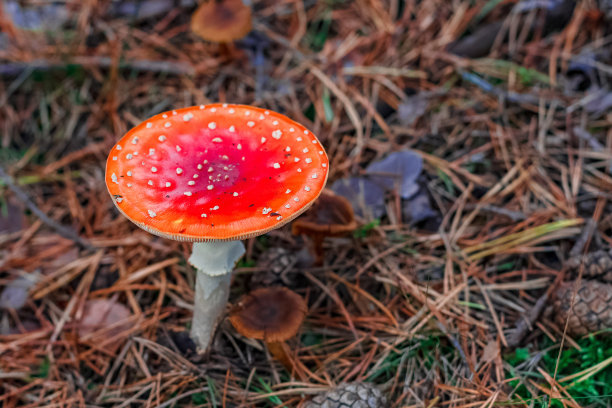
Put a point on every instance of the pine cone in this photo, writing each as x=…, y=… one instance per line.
x=592, y=309
x=351, y=395
x=597, y=265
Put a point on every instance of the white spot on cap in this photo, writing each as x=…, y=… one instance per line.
x=187, y=193
x=307, y=188
x=308, y=160
x=135, y=140
x=115, y=158
x=213, y=110
x=212, y=125
x=195, y=176
x=275, y=122
x=217, y=140
x=231, y=110
x=250, y=123
x=179, y=170
x=164, y=116
x=129, y=173
x=287, y=206
x=210, y=169
x=266, y=211
x=168, y=184
x=288, y=191
x=174, y=112
x=114, y=178
x=239, y=147
x=280, y=217
x=210, y=187
x=129, y=156
x=119, y=199
x=299, y=139
x=263, y=140
x=178, y=148
x=215, y=208
x=201, y=106
x=118, y=147
x=324, y=165
x=152, y=214
x=129, y=184
x=149, y=125
x=288, y=149
x=247, y=113
x=277, y=134
x=191, y=182
x=154, y=169
x=187, y=117
x=276, y=166
x=203, y=215
x=151, y=152
x=305, y=132
x=225, y=105
x=161, y=138
x=235, y=194
x=167, y=124
x=267, y=112
x=261, y=117
x=150, y=182
x=314, y=142
x=199, y=167
x=232, y=129
x=224, y=157
x=296, y=159
x=299, y=170
x=291, y=129
x=296, y=199
x=320, y=151
x=314, y=175
x=305, y=150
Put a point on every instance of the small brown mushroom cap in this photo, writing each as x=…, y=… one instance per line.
x=271, y=314
x=330, y=216
x=222, y=20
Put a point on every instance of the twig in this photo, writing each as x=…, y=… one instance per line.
x=60, y=229
x=525, y=324
x=165, y=67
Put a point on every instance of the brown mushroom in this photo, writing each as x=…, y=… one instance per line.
x=271, y=314
x=222, y=21
x=331, y=216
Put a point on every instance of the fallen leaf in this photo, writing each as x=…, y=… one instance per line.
x=366, y=197
x=102, y=313
x=491, y=351
x=412, y=108
x=15, y=294
x=398, y=171
x=417, y=208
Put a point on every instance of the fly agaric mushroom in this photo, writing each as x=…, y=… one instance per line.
x=222, y=21
x=214, y=175
x=273, y=315
x=331, y=216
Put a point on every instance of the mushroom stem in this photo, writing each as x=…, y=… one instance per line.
x=279, y=350
x=214, y=262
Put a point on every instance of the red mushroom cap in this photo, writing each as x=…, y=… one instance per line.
x=215, y=172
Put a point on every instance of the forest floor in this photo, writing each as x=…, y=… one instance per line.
x=441, y=297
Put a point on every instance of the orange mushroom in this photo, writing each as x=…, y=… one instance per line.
x=214, y=175
x=222, y=21
x=273, y=315
x=331, y=216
